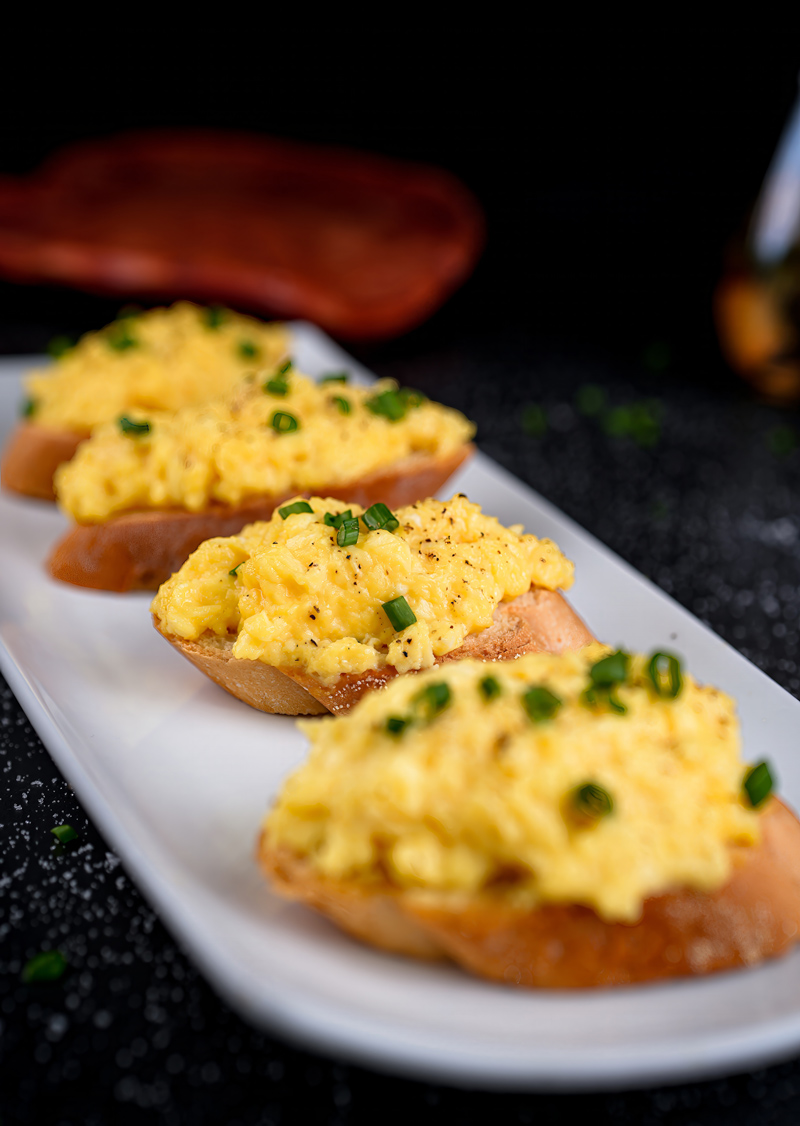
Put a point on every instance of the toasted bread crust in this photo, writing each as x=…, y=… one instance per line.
x=755, y=916
x=32, y=455
x=140, y=550
x=539, y=620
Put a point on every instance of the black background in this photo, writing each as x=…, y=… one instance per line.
x=612, y=179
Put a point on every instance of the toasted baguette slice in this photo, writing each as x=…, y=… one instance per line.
x=756, y=915
x=140, y=550
x=539, y=620
x=32, y=455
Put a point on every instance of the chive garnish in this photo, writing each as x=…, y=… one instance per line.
x=120, y=339
x=233, y=571
x=64, y=834
x=59, y=346
x=28, y=408
x=399, y=613
x=131, y=428
x=396, y=724
x=540, y=703
x=348, y=533
x=664, y=671
x=342, y=403
x=611, y=670
x=489, y=688
x=433, y=699
x=410, y=397
x=388, y=404
x=276, y=386
x=283, y=423
x=336, y=519
x=47, y=966
x=758, y=784
x=336, y=377
x=248, y=350
x=379, y=516
x=214, y=316
x=298, y=506
x=285, y=367
x=590, y=802
x=594, y=697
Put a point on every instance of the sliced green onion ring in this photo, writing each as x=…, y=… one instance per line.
x=610, y=670
x=131, y=428
x=399, y=613
x=490, y=687
x=396, y=724
x=28, y=408
x=47, y=966
x=388, y=404
x=336, y=377
x=298, y=506
x=336, y=519
x=283, y=423
x=233, y=571
x=342, y=403
x=589, y=802
x=348, y=533
x=64, y=834
x=248, y=350
x=758, y=784
x=214, y=316
x=664, y=671
x=540, y=703
x=276, y=386
x=379, y=516
x=433, y=699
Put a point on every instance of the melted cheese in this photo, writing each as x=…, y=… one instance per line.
x=297, y=598
x=477, y=799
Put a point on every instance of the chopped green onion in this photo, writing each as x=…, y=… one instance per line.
x=64, y=834
x=28, y=408
x=758, y=784
x=433, y=699
x=399, y=613
x=396, y=724
x=410, y=397
x=379, y=516
x=540, y=703
x=277, y=386
x=590, y=802
x=47, y=966
x=610, y=670
x=214, y=316
x=131, y=428
x=120, y=339
x=665, y=672
x=348, y=533
x=389, y=404
x=600, y=694
x=285, y=367
x=490, y=688
x=336, y=519
x=59, y=346
x=248, y=350
x=342, y=403
x=283, y=423
x=234, y=570
x=298, y=506
x=335, y=377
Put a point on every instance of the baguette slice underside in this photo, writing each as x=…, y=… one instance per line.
x=755, y=916
x=140, y=550
x=539, y=620
x=32, y=455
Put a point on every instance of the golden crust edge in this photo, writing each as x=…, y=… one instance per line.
x=140, y=550
x=539, y=620
x=31, y=456
x=753, y=917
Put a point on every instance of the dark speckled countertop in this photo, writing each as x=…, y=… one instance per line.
x=132, y=1033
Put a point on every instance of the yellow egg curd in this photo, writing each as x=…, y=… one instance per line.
x=162, y=359
x=524, y=781
x=280, y=433
x=292, y=596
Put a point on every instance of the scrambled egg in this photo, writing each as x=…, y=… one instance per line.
x=291, y=595
x=477, y=794
x=162, y=359
x=280, y=433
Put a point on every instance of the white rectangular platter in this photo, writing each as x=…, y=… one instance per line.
x=178, y=776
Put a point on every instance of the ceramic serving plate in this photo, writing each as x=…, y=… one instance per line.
x=178, y=775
